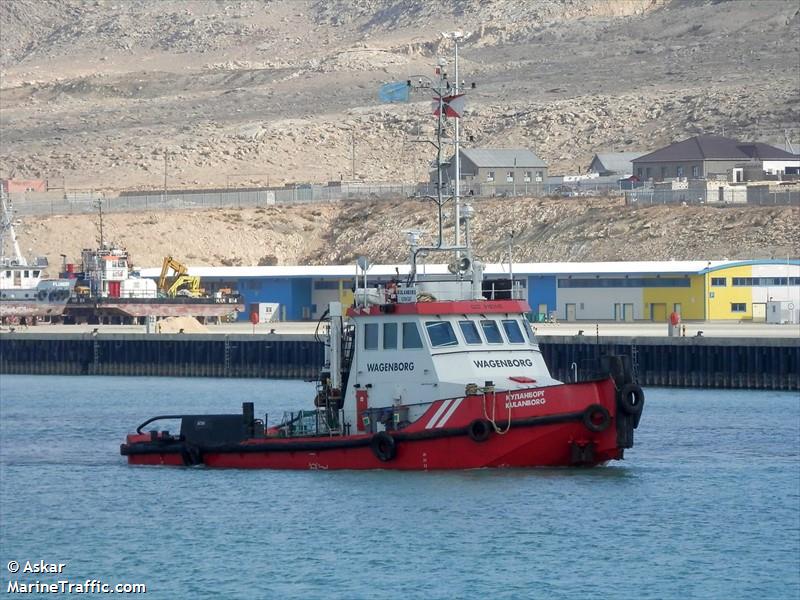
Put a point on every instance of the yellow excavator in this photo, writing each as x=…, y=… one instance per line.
x=182, y=283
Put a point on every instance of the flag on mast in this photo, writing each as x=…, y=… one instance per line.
x=453, y=106
x=396, y=91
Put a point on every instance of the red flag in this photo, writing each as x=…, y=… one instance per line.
x=453, y=106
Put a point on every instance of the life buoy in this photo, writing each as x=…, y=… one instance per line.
x=631, y=399
x=596, y=418
x=479, y=430
x=383, y=446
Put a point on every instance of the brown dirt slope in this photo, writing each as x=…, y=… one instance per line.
x=545, y=231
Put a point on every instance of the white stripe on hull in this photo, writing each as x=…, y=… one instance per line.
x=438, y=413
x=449, y=413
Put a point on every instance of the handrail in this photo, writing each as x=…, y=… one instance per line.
x=139, y=428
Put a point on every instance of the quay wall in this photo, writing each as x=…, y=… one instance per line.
x=706, y=362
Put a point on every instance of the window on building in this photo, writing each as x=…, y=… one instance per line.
x=441, y=333
x=513, y=332
x=490, y=176
x=390, y=336
x=647, y=174
x=640, y=172
x=695, y=171
x=509, y=176
x=679, y=171
x=470, y=332
x=26, y=274
x=330, y=285
x=527, y=177
x=663, y=172
x=411, y=337
x=539, y=176
x=491, y=331
x=719, y=281
x=738, y=307
x=370, y=336
x=620, y=282
x=764, y=281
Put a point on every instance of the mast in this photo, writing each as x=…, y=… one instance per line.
x=456, y=36
x=442, y=91
x=447, y=102
x=7, y=229
x=100, y=214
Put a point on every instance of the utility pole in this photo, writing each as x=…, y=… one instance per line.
x=165, y=174
x=514, y=182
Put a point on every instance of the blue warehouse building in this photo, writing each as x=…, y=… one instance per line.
x=615, y=291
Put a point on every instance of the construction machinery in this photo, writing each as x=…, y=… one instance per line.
x=180, y=283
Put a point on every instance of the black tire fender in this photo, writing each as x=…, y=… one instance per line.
x=596, y=418
x=631, y=399
x=479, y=430
x=384, y=446
x=191, y=455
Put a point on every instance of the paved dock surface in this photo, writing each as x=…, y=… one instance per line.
x=728, y=330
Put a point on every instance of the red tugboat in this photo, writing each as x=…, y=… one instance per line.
x=430, y=373
x=450, y=384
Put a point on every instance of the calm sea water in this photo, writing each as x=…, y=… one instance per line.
x=707, y=505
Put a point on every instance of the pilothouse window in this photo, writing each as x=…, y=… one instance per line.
x=370, y=336
x=411, y=339
x=491, y=331
x=513, y=332
x=441, y=333
x=470, y=332
x=390, y=336
x=528, y=331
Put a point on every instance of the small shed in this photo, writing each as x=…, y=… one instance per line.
x=614, y=163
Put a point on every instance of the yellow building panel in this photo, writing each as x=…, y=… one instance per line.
x=659, y=302
x=346, y=295
x=723, y=299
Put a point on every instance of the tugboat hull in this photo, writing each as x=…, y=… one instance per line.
x=567, y=425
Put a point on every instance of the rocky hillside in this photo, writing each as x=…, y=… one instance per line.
x=93, y=94
x=544, y=231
